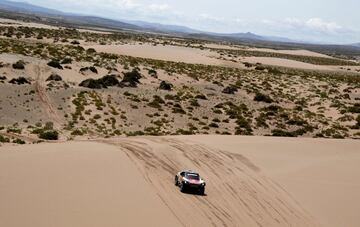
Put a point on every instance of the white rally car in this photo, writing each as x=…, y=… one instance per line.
x=190, y=181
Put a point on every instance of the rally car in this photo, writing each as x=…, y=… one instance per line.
x=190, y=181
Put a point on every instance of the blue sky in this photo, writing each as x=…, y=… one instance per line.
x=330, y=21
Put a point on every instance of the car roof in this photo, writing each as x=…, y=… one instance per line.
x=190, y=171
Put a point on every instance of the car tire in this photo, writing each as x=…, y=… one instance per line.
x=182, y=187
x=202, y=191
x=176, y=181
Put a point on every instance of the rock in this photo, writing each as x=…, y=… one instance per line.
x=19, y=81
x=230, y=90
x=260, y=97
x=55, y=64
x=91, y=83
x=248, y=65
x=153, y=73
x=75, y=42
x=54, y=77
x=260, y=68
x=110, y=81
x=90, y=51
x=19, y=65
x=66, y=61
x=104, y=82
x=91, y=68
x=166, y=86
x=3, y=78
x=131, y=79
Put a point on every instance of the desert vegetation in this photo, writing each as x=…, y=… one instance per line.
x=142, y=96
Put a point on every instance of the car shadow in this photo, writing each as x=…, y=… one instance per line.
x=194, y=193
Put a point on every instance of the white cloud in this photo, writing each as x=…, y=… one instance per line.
x=312, y=24
x=159, y=7
x=313, y=29
x=127, y=4
x=324, y=26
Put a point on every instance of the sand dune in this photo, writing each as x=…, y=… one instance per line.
x=286, y=63
x=292, y=52
x=206, y=57
x=76, y=184
x=320, y=174
x=268, y=50
x=252, y=181
x=238, y=193
x=166, y=53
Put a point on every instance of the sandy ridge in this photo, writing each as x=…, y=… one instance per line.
x=238, y=193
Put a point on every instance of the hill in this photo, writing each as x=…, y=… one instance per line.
x=129, y=181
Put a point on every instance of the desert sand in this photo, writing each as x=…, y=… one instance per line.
x=298, y=65
x=292, y=52
x=207, y=57
x=159, y=52
x=251, y=181
x=268, y=50
x=286, y=63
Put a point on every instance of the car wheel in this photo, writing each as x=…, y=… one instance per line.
x=182, y=187
x=202, y=191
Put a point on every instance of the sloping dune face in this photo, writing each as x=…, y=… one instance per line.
x=237, y=193
x=130, y=182
x=80, y=184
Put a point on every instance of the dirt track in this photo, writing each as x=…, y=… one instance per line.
x=44, y=98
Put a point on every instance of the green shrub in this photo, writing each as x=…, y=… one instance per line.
x=19, y=141
x=19, y=65
x=213, y=125
x=14, y=130
x=66, y=61
x=282, y=133
x=260, y=68
x=152, y=73
x=49, y=135
x=201, y=96
x=194, y=102
x=259, y=97
x=184, y=132
x=355, y=108
x=178, y=109
x=77, y=132
x=90, y=51
x=4, y=139
x=55, y=64
x=157, y=102
x=49, y=125
x=244, y=127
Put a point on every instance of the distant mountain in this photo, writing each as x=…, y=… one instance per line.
x=26, y=7
x=247, y=35
x=356, y=44
x=163, y=27
x=58, y=17
x=14, y=10
x=93, y=21
x=252, y=36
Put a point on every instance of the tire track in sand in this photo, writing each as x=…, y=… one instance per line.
x=45, y=99
x=237, y=193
